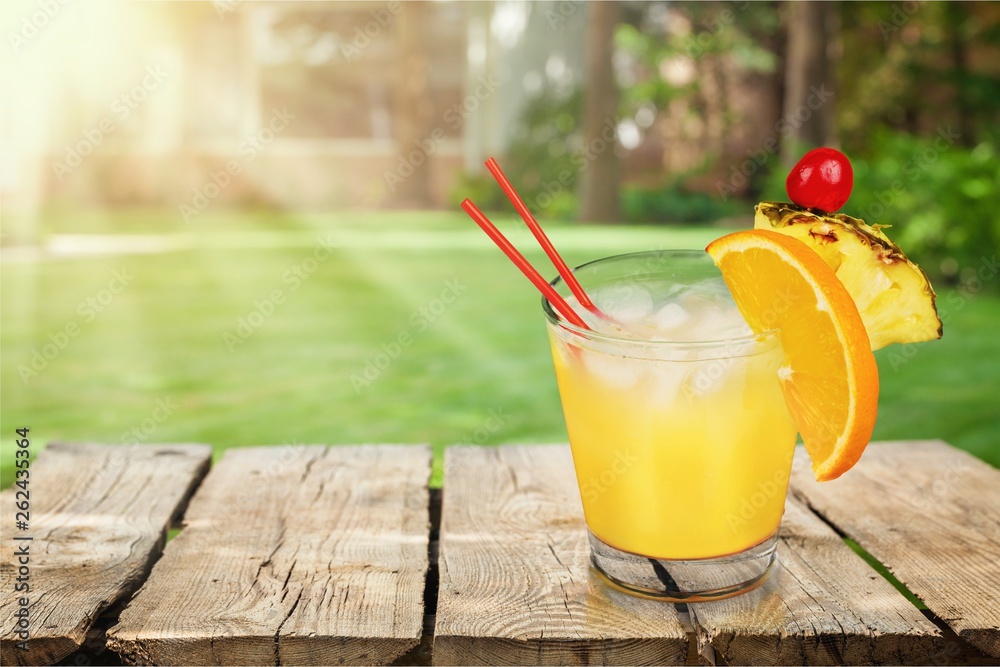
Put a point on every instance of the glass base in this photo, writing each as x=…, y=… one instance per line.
x=697, y=580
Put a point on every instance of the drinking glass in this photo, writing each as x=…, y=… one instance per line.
x=682, y=447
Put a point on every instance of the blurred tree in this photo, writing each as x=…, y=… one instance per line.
x=809, y=97
x=413, y=116
x=705, y=91
x=546, y=177
x=600, y=186
x=919, y=67
x=955, y=18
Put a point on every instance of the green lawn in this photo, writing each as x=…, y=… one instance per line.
x=474, y=370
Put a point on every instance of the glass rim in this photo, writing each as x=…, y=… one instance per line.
x=589, y=334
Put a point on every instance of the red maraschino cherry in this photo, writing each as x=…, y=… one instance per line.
x=821, y=180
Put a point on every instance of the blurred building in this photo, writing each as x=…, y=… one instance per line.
x=281, y=104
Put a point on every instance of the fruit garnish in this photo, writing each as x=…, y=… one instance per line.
x=893, y=295
x=829, y=379
x=821, y=180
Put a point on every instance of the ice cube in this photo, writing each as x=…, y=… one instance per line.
x=717, y=324
x=667, y=318
x=628, y=304
x=614, y=371
x=705, y=294
x=609, y=327
x=711, y=376
x=593, y=321
x=666, y=379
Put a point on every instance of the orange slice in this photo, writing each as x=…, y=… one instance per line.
x=829, y=378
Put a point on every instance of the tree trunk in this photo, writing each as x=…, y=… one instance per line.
x=809, y=106
x=601, y=182
x=414, y=109
x=956, y=14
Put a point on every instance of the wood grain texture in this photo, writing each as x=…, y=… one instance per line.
x=99, y=515
x=822, y=605
x=516, y=585
x=931, y=514
x=293, y=556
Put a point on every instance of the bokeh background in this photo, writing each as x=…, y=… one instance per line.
x=236, y=222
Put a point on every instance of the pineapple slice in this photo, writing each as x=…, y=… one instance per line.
x=893, y=295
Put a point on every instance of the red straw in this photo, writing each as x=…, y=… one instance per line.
x=536, y=229
x=520, y=262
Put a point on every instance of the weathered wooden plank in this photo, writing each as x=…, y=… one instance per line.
x=294, y=556
x=98, y=518
x=516, y=585
x=822, y=605
x=931, y=514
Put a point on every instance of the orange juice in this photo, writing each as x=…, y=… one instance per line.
x=677, y=459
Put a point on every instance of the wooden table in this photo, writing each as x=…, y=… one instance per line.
x=342, y=555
